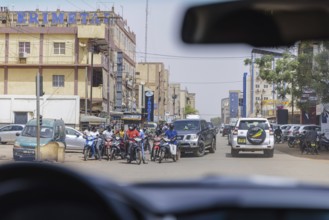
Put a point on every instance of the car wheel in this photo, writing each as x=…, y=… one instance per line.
x=201, y=149
x=234, y=152
x=212, y=148
x=269, y=153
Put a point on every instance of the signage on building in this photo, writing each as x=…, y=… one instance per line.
x=149, y=105
x=58, y=17
x=132, y=117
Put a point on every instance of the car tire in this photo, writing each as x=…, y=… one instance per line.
x=201, y=149
x=234, y=152
x=269, y=153
x=212, y=148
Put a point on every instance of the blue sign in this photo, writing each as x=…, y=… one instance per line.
x=234, y=104
x=62, y=17
x=149, y=105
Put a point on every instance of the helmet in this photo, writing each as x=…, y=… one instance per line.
x=131, y=127
x=108, y=128
x=171, y=126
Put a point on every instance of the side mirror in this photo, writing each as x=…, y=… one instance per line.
x=17, y=134
x=77, y=134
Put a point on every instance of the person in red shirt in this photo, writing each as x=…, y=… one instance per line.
x=131, y=133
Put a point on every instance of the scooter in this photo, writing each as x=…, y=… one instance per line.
x=155, y=148
x=117, y=149
x=135, y=153
x=323, y=142
x=90, y=148
x=167, y=150
x=106, y=148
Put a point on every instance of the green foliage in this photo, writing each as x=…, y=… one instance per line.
x=189, y=110
x=216, y=121
x=292, y=74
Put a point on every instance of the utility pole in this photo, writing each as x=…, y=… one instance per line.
x=109, y=67
x=91, y=78
x=146, y=21
x=38, y=116
x=159, y=97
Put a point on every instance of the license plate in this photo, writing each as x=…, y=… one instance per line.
x=312, y=144
x=242, y=140
x=28, y=151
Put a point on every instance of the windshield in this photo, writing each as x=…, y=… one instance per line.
x=187, y=125
x=245, y=125
x=31, y=131
x=120, y=64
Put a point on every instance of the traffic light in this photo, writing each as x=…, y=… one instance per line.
x=40, y=120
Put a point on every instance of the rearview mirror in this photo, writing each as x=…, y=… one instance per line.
x=258, y=23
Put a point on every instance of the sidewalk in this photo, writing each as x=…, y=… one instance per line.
x=323, y=154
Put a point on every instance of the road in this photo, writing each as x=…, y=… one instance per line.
x=283, y=164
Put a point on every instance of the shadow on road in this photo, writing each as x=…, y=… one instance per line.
x=247, y=155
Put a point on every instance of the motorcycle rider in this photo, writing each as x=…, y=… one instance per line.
x=278, y=133
x=108, y=132
x=131, y=134
x=142, y=135
x=120, y=133
x=171, y=134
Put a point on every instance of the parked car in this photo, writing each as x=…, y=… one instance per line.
x=289, y=131
x=306, y=128
x=74, y=139
x=8, y=133
x=221, y=128
x=26, y=142
x=252, y=134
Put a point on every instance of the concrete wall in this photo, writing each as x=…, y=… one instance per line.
x=64, y=107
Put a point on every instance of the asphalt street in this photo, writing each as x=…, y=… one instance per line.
x=287, y=163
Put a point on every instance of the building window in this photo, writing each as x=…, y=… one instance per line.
x=58, y=80
x=59, y=48
x=257, y=98
x=265, y=98
x=265, y=86
x=24, y=48
x=257, y=86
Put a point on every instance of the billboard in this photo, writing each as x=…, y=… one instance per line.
x=149, y=106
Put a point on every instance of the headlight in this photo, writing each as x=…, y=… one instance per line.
x=194, y=136
x=17, y=145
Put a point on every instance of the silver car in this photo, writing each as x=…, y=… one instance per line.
x=8, y=133
x=74, y=139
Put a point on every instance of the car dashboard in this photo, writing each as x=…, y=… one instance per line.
x=43, y=191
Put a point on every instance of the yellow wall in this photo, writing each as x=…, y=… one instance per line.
x=48, y=49
x=68, y=88
x=2, y=48
x=21, y=81
x=14, y=39
x=2, y=79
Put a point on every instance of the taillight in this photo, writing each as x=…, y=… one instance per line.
x=271, y=131
x=235, y=131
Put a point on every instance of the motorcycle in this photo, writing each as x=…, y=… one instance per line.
x=323, y=142
x=277, y=138
x=168, y=150
x=309, y=143
x=106, y=148
x=135, y=150
x=90, y=148
x=155, y=148
x=292, y=142
x=117, y=149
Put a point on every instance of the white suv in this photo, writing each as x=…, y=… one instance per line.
x=252, y=134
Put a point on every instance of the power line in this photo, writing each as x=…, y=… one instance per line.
x=209, y=83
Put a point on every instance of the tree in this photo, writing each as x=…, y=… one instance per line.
x=216, y=121
x=189, y=110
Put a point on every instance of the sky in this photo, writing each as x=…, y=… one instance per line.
x=208, y=71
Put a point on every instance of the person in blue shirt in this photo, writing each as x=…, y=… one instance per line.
x=142, y=135
x=171, y=133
